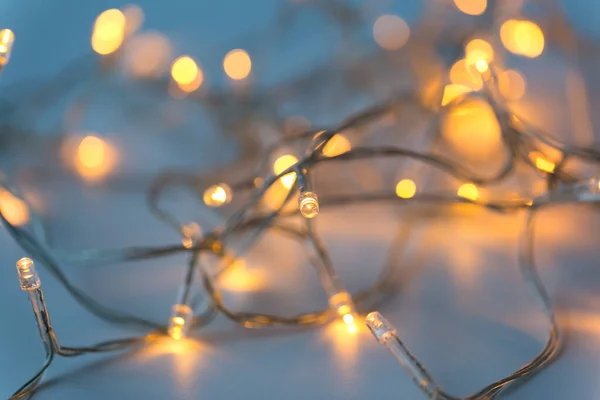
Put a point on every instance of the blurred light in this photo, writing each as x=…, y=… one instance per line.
x=337, y=145
x=217, y=195
x=94, y=158
x=453, y=91
x=472, y=130
x=460, y=75
x=481, y=66
x=391, y=32
x=239, y=278
x=109, y=31
x=134, y=17
x=7, y=38
x=147, y=55
x=522, y=37
x=478, y=50
x=296, y=124
x=541, y=162
x=274, y=197
x=283, y=163
x=468, y=191
x=471, y=7
x=237, y=64
x=184, y=70
x=406, y=189
x=14, y=209
x=511, y=84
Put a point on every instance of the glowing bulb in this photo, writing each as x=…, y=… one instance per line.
x=406, y=189
x=180, y=321
x=522, y=37
x=14, y=209
x=460, y=75
x=453, y=91
x=541, y=162
x=28, y=276
x=468, y=191
x=94, y=158
x=237, y=64
x=511, y=84
x=7, y=38
x=391, y=32
x=479, y=49
x=481, y=66
x=147, y=55
x=309, y=204
x=471, y=7
x=217, y=195
x=343, y=305
x=184, y=70
x=337, y=145
x=109, y=31
x=283, y=163
x=380, y=327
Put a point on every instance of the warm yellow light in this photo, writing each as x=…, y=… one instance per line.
x=7, y=38
x=511, y=84
x=406, y=189
x=91, y=152
x=471, y=7
x=147, y=55
x=522, y=37
x=14, y=209
x=460, y=75
x=478, y=50
x=238, y=277
x=134, y=16
x=481, y=66
x=94, y=158
x=472, y=130
x=237, y=64
x=337, y=145
x=184, y=70
x=468, y=191
x=391, y=32
x=178, y=321
x=217, y=195
x=453, y=91
x=541, y=162
x=109, y=31
x=283, y=163
x=348, y=319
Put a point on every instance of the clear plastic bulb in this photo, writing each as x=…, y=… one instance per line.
x=28, y=276
x=343, y=305
x=380, y=327
x=309, y=204
x=180, y=321
x=7, y=38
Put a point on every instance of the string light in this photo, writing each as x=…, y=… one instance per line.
x=471, y=7
x=406, y=189
x=14, y=209
x=391, y=32
x=94, y=158
x=338, y=144
x=541, y=162
x=468, y=191
x=217, y=195
x=343, y=305
x=7, y=38
x=109, y=32
x=511, y=84
x=180, y=321
x=454, y=91
x=186, y=73
x=308, y=204
x=281, y=164
x=460, y=75
x=237, y=64
x=522, y=37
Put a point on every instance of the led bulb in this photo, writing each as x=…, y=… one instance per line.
x=380, y=327
x=309, y=204
x=180, y=321
x=217, y=195
x=7, y=38
x=28, y=276
x=343, y=305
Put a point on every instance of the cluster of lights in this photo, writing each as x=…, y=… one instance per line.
x=466, y=120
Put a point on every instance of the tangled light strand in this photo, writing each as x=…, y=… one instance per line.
x=212, y=253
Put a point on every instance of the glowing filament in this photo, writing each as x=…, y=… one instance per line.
x=379, y=327
x=283, y=163
x=217, y=195
x=7, y=38
x=468, y=191
x=237, y=64
x=406, y=189
x=180, y=321
x=109, y=31
x=309, y=204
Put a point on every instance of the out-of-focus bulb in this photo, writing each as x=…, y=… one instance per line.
x=380, y=327
x=309, y=204
x=343, y=305
x=217, y=195
x=471, y=7
x=185, y=71
x=7, y=38
x=406, y=189
x=283, y=163
x=14, y=209
x=28, y=276
x=391, y=32
x=481, y=66
x=468, y=191
x=541, y=162
x=453, y=91
x=522, y=37
x=180, y=321
x=109, y=31
x=237, y=64
x=337, y=145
